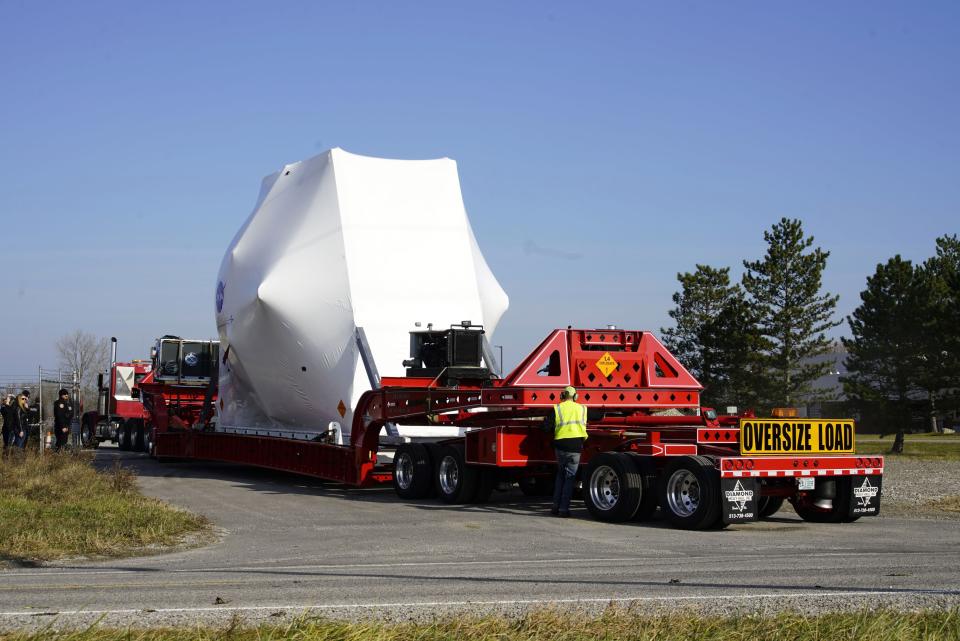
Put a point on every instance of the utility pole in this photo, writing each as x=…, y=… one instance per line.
x=40, y=408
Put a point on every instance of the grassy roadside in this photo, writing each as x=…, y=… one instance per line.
x=938, y=447
x=882, y=625
x=57, y=505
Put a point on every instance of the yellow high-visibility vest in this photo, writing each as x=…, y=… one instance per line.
x=569, y=420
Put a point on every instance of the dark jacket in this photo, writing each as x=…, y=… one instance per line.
x=62, y=413
x=17, y=418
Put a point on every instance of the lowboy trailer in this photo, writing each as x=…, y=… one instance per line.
x=650, y=443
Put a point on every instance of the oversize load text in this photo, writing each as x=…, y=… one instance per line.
x=779, y=437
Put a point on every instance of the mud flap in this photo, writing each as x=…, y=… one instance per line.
x=739, y=497
x=865, y=495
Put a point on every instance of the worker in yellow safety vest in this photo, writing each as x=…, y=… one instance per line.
x=568, y=423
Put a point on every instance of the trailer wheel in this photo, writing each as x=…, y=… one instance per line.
x=412, y=471
x=123, y=437
x=689, y=491
x=456, y=481
x=768, y=506
x=148, y=441
x=648, y=478
x=87, y=436
x=613, y=487
x=826, y=504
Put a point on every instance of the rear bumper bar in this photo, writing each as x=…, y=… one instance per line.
x=794, y=466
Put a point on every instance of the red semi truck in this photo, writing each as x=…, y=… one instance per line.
x=650, y=443
x=126, y=414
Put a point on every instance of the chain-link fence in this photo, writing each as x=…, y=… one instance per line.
x=43, y=388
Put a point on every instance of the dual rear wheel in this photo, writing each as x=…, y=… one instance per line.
x=618, y=487
x=421, y=470
x=828, y=503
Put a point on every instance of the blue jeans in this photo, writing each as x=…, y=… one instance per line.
x=567, y=465
x=19, y=441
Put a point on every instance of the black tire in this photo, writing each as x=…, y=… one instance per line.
x=767, y=506
x=136, y=436
x=612, y=487
x=456, y=481
x=536, y=485
x=648, y=476
x=807, y=507
x=689, y=493
x=124, y=437
x=148, y=441
x=412, y=471
x=87, y=436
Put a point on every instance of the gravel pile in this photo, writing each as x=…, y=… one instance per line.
x=909, y=481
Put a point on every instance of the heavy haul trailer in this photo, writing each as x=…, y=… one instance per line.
x=649, y=444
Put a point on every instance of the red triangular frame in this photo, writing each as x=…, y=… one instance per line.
x=652, y=351
x=525, y=375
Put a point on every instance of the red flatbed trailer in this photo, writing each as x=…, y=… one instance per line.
x=649, y=444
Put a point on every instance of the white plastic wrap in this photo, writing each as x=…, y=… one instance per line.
x=337, y=242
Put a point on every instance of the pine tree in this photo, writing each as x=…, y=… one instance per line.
x=784, y=288
x=712, y=335
x=938, y=328
x=735, y=339
x=884, y=355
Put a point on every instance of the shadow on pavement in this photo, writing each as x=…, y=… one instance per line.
x=275, y=482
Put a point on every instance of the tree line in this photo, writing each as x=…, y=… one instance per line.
x=762, y=342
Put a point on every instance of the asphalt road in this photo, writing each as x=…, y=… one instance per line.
x=290, y=544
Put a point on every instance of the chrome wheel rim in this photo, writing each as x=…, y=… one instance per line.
x=403, y=470
x=683, y=493
x=449, y=475
x=604, y=488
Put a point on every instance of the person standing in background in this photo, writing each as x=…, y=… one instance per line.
x=62, y=417
x=20, y=413
x=5, y=408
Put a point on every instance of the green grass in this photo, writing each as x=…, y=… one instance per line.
x=616, y=623
x=57, y=505
x=913, y=447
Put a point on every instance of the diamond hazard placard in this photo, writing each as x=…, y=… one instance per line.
x=342, y=409
x=606, y=364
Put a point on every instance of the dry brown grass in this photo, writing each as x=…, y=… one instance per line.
x=948, y=504
x=57, y=505
x=616, y=623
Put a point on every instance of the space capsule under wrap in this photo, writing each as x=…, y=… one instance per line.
x=337, y=242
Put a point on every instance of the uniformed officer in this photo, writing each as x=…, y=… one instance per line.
x=569, y=423
x=62, y=417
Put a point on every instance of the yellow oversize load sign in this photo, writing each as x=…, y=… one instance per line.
x=796, y=436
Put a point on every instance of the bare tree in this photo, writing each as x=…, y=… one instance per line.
x=87, y=355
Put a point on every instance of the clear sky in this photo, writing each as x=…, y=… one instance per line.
x=602, y=147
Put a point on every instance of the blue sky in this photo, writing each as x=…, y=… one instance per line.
x=638, y=139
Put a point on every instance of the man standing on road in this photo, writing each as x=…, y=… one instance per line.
x=569, y=426
x=62, y=417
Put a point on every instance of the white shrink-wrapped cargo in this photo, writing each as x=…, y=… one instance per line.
x=337, y=242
